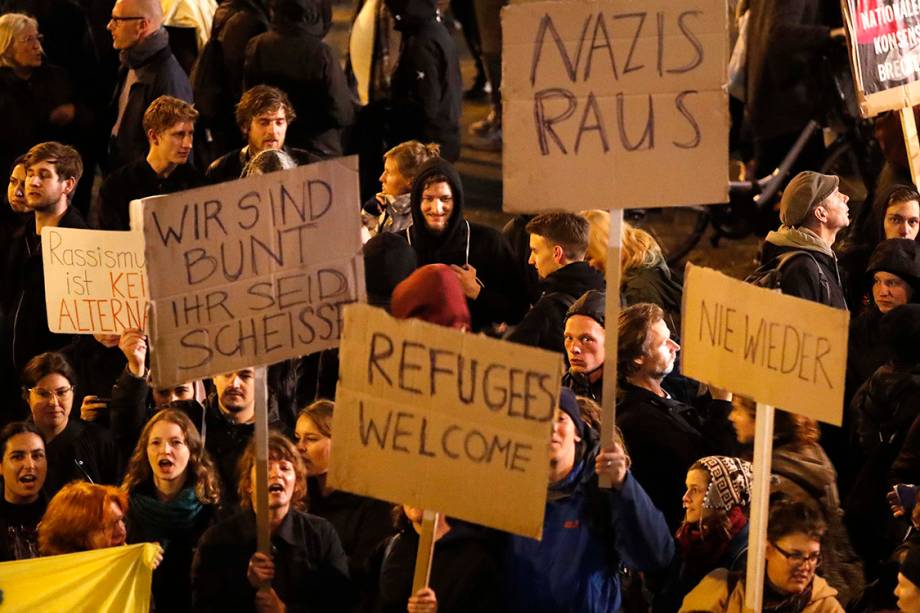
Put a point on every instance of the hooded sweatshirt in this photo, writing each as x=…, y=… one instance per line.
x=466, y=243
x=801, y=277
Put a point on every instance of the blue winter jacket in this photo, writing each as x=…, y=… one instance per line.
x=587, y=533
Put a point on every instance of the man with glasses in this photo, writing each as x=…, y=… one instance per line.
x=148, y=70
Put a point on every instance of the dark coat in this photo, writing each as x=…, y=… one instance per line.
x=463, y=242
x=657, y=285
x=464, y=572
x=303, y=66
x=665, y=437
x=19, y=529
x=426, y=87
x=229, y=167
x=544, y=324
x=311, y=572
x=801, y=276
x=158, y=74
x=83, y=451
x=865, y=354
x=138, y=180
x=781, y=63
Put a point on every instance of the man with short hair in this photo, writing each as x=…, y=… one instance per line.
x=583, y=338
x=665, y=436
x=149, y=70
x=52, y=173
x=263, y=115
x=170, y=126
x=812, y=212
x=479, y=255
x=558, y=243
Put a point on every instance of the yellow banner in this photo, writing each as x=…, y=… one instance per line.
x=113, y=579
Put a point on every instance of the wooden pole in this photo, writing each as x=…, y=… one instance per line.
x=611, y=331
x=425, y=551
x=263, y=529
x=760, y=508
x=911, y=142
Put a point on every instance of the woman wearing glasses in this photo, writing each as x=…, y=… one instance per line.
x=75, y=449
x=791, y=583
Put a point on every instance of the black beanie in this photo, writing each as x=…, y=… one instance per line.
x=591, y=304
x=898, y=256
x=388, y=259
x=910, y=567
x=569, y=405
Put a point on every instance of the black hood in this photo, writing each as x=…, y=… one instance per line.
x=898, y=256
x=293, y=17
x=450, y=244
x=410, y=14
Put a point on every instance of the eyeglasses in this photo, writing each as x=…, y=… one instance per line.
x=118, y=18
x=47, y=395
x=797, y=558
x=31, y=40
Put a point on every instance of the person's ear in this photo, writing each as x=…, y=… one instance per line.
x=558, y=254
x=152, y=137
x=70, y=184
x=820, y=213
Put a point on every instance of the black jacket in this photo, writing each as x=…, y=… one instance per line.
x=665, y=437
x=544, y=324
x=426, y=87
x=463, y=242
x=290, y=58
x=801, y=277
x=138, y=180
x=158, y=74
x=229, y=167
x=83, y=451
x=464, y=572
x=311, y=573
x=19, y=529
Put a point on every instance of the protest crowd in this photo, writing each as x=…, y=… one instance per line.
x=104, y=103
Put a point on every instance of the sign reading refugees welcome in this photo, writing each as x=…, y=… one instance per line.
x=779, y=350
x=95, y=281
x=444, y=420
x=253, y=271
x=614, y=104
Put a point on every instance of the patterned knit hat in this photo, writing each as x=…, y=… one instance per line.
x=729, y=482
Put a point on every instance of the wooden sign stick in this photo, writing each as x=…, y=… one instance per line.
x=263, y=530
x=425, y=551
x=611, y=331
x=911, y=142
x=760, y=508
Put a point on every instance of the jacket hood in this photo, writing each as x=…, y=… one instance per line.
x=410, y=14
x=292, y=17
x=798, y=238
x=898, y=256
x=430, y=246
x=807, y=465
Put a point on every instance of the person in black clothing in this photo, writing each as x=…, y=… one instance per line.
x=361, y=522
x=293, y=57
x=812, y=211
x=174, y=494
x=665, y=436
x=558, y=243
x=24, y=466
x=263, y=116
x=75, y=449
x=426, y=89
x=170, y=126
x=52, y=173
x=479, y=255
x=464, y=571
x=583, y=338
x=18, y=213
x=307, y=570
x=148, y=71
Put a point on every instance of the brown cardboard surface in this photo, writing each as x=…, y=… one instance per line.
x=252, y=271
x=779, y=350
x=443, y=420
x=643, y=120
x=95, y=282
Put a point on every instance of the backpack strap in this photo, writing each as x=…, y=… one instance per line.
x=783, y=259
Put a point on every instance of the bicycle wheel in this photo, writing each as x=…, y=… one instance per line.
x=842, y=161
x=677, y=229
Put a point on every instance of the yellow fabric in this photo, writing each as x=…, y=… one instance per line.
x=113, y=579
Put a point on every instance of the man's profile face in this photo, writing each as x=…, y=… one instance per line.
x=267, y=130
x=437, y=206
x=660, y=352
x=543, y=256
x=127, y=25
x=838, y=213
x=174, y=144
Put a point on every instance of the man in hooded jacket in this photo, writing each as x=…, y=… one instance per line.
x=479, y=256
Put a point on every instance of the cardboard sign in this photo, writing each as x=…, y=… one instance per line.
x=95, y=282
x=253, y=271
x=621, y=94
x=442, y=420
x=779, y=350
x=884, y=38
